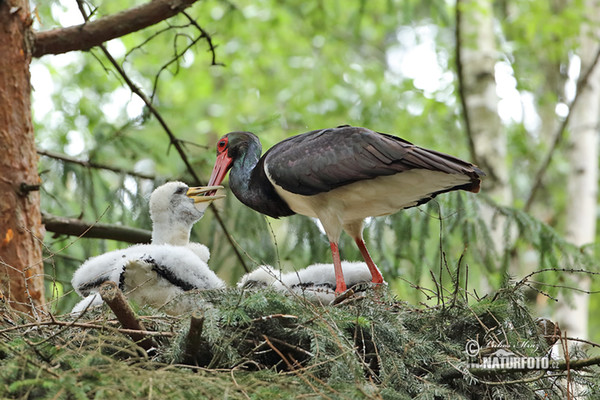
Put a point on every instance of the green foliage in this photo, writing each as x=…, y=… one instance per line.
x=261, y=343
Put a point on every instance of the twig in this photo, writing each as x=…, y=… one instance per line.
x=571, y=270
x=211, y=47
x=564, y=343
x=177, y=54
x=91, y=164
x=345, y=295
x=118, y=304
x=291, y=368
x=574, y=339
x=292, y=346
x=559, y=134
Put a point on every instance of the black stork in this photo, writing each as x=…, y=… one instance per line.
x=340, y=176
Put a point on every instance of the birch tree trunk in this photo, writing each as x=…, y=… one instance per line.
x=477, y=55
x=21, y=229
x=582, y=195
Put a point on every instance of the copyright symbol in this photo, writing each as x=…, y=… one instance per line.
x=472, y=348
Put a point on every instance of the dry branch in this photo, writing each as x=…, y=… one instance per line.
x=77, y=227
x=118, y=304
x=91, y=164
x=193, y=339
x=94, y=33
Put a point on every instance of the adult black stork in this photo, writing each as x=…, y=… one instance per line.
x=340, y=176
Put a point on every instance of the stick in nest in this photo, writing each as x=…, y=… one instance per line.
x=118, y=304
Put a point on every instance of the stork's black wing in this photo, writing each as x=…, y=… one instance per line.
x=322, y=160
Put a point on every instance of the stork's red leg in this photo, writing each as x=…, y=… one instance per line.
x=375, y=274
x=340, y=283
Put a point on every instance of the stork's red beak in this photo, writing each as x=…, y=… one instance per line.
x=219, y=171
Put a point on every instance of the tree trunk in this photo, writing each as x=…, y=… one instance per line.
x=582, y=201
x=21, y=229
x=477, y=55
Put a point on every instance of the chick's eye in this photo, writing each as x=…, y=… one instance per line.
x=181, y=190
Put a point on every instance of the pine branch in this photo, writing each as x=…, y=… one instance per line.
x=77, y=227
x=94, y=33
x=91, y=164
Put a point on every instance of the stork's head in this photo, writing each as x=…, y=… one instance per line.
x=176, y=202
x=229, y=148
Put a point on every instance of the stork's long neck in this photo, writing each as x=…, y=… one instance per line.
x=241, y=175
x=251, y=186
x=166, y=231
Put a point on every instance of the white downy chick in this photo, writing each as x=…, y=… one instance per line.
x=262, y=276
x=316, y=282
x=174, y=208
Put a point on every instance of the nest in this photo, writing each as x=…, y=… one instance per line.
x=259, y=343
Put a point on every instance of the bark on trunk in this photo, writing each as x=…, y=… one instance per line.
x=21, y=229
x=477, y=55
x=582, y=200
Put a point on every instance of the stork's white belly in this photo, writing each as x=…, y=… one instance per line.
x=373, y=197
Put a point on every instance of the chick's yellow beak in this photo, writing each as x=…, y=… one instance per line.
x=198, y=193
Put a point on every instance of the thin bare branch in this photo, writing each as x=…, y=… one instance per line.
x=94, y=33
x=559, y=134
x=91, y=164
x=211, y=47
